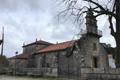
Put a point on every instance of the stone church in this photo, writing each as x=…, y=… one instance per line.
x=85, y=58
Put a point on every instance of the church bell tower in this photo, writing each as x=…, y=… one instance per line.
x=91, y=25
x=94, y=54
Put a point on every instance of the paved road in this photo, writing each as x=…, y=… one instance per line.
x=3, y=77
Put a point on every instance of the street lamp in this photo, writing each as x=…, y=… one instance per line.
x=1, y=42
x=15, y=63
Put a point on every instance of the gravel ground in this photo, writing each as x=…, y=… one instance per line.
x=4, y=77
x=19, y=78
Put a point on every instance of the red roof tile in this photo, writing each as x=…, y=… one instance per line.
x=57, y=47
x=21, y=56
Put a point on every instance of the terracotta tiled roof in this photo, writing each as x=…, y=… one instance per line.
x=57, y=47
x=21, y=56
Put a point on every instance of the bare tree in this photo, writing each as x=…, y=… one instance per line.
x=110, y=8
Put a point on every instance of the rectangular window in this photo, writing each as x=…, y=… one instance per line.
x=43, y=61
x=94, y=46
x=95, y=62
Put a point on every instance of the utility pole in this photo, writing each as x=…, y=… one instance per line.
x=2, y=46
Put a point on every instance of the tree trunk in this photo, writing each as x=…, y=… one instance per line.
x=117, y=35
x=117, y=57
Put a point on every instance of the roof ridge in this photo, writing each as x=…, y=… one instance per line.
x=44, y=42
x=59, y=46
x=66, y=41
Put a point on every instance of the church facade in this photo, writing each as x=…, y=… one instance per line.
x=85, y=58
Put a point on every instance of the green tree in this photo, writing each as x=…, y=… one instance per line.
x=3, y=61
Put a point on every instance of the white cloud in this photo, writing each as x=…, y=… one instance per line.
x=26, y=20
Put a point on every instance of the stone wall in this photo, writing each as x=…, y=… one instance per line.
x=47, y=62
x=66, y=65
x=48, y=59
x=83, y=57
x=99, y=74
x=95, y=74
x=91, y=47
x=29, y=49
x=18, y=63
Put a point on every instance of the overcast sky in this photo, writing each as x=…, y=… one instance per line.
x=26, y=20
